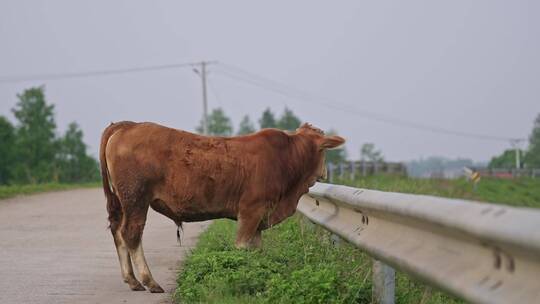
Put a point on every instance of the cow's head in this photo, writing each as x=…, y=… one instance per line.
x=322, y=143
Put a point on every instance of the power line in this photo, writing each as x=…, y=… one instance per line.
x=239, y=74
x=57, y=76
x=213, y=90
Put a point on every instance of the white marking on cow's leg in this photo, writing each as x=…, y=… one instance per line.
x=125, y=263
x=139, y=260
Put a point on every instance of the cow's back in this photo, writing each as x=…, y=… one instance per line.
x=192, y=173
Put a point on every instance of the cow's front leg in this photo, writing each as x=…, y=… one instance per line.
x=248, y=235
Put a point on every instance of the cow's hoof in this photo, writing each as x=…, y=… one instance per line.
x=241, y=245
x=137, y=287
x=247, y=246
x=156, y=289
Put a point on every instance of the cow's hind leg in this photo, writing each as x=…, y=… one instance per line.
x=144, y=271
x=125, y=263
x=131, y=231
x=115, y=220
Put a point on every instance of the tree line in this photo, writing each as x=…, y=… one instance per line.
x=219, y=124
x=31, y=150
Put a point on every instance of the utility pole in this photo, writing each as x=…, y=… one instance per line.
x=515, y=145
x=205, y=102
x=202, y=73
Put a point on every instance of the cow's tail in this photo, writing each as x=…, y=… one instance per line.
x=113, y=203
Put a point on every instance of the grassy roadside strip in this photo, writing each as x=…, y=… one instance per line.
x=14, y=190
x=295, y=265
x=299, y=264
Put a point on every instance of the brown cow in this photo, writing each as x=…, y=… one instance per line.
x=255, y=179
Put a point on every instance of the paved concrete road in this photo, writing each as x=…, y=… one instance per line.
x=56, y=248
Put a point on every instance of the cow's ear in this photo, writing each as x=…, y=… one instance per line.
x=330, y=142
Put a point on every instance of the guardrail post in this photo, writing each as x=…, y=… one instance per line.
x=384, y=283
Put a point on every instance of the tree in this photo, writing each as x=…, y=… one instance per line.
x=368, y=152
x=288, y=121
x=35, y=138
x=7, y=147
x=218, y=124
x=267, y=119
x=335, y=156
x=532, y=159
x=74, y=164
x=246, y=126
x=507, y=160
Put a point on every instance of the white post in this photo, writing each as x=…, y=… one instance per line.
x=517, y=158
x=364, y=168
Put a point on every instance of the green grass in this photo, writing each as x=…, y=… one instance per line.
x=523, y=192
x=14, y=190
x=299, y=263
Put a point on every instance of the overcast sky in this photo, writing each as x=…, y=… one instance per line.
x=468, y=66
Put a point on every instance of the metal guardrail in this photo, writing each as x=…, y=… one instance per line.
x=479, y=252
